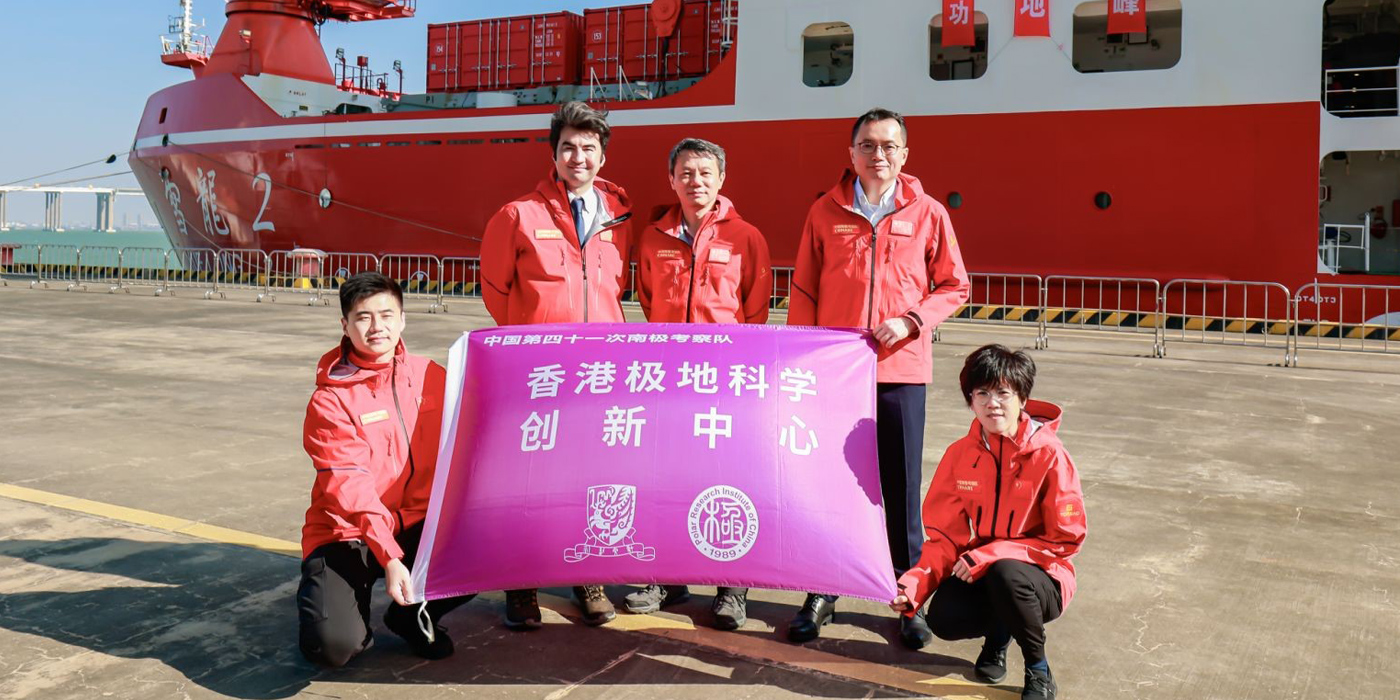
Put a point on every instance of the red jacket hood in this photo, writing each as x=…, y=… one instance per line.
x=337, y=355
x=668, y=219
x=907, y=189
x=614, y=197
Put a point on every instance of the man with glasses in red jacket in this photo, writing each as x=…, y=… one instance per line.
x=561, y=254
x=877, y=252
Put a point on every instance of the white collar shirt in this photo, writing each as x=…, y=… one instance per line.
x=875, y=212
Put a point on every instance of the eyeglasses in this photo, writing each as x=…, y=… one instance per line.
x=869, y=148
x=1000, y=396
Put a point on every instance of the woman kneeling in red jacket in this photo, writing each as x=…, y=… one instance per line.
x=1003, y=516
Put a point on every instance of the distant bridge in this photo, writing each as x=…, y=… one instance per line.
x=53, y=203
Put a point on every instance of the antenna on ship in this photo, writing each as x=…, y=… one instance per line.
x=182, y=47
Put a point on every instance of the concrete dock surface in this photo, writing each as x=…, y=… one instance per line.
x=1244, y=527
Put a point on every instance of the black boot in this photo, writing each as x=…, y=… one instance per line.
x=914, y=631
x=816, y=611
x=403, y=621
x=1039, y=685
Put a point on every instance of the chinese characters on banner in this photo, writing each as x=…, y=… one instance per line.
x=1127, y=16
x=1032, y=18
x=958, y=16
x=615, y=453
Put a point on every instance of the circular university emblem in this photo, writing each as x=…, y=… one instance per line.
x=723, y=523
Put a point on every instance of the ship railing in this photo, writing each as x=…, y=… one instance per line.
x=1118, y=304
x=20, y=262
x=99, y=266
x=1361, y=92
x=300, y=271
x=420, y=277
x=1227, y=312
x=461, y=279
x=1336, y=238
x=1346, y=317
x=191, y=268
x=243, y=269
x=141, y=267
x=58, y=264
x=781, y=296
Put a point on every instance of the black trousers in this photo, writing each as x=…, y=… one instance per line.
x=1012, y=597
x=333, y=599
x=899, y=434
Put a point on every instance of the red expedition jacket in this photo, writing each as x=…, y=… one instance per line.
x=371, y=482
x=838, y=282
x=1008, y=499
x=533, y=270
x=724, y=277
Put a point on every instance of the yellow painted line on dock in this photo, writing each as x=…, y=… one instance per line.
x=763, y=648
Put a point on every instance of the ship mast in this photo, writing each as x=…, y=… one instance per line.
x=186, y=49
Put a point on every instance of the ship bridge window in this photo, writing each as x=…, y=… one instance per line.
x=1097, y=51
x=957, y=62
x=828, y=54
x=1360, y=49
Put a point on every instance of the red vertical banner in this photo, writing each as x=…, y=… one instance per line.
x=1032, y=18
x=957, y=22
x=1127, y=16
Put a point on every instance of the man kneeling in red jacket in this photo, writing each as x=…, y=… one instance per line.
x=372, y=433
x=1004, y=516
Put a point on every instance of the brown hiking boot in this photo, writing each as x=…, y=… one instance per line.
x=597, y=609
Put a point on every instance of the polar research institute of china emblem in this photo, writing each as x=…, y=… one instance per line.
x=723, y=523
x=611, y=511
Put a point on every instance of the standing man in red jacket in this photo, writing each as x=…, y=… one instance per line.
x=699, y=262
x=372, y=433
x=561, y=254
x=878, y=253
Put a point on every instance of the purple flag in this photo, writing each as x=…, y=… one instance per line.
x=733, y=455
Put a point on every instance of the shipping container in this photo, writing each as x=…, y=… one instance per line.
x=511, y=53
x=626, y=38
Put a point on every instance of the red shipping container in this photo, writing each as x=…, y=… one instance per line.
x=511, y=53
x=626, y=38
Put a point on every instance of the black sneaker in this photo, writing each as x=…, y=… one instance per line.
x=991, y=663
x=1039, y=685
x=523, y=609
x=654, y=597
x=729, y=608
x=403, y=621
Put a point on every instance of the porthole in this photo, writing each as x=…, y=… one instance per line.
x=1103, y=200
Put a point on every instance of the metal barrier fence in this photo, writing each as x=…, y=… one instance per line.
x=338, y=267
x=461, y=279
x=1227, y=312
x=141, y=267
x=1367, y=318
x=58, y=264
x=244, y=269
x=420, y=277
x=191, y=268
x=99, y=265
x=782, y=288
x=19, y=261
x=1008, y=299
x=1122, y=304
x=299, y=271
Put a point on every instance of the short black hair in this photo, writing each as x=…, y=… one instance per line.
x=699, y=147
x=880, y=114
x=581, y=117
x=363, y=285
x=994, y=366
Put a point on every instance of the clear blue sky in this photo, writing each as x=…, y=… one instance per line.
x=78, y=72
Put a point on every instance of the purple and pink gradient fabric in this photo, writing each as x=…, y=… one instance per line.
x=661, y=453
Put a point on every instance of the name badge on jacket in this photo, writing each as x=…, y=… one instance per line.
x=373, y=417
x=719, y=255
x=902, y=228
x=548, y=234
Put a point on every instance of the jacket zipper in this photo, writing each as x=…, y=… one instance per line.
x=996, y=503
x=870, y=308
x=583, y=254
x=690, y=290
x=394, y=389
x=1009, y=519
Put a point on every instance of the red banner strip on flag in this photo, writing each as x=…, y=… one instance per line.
x=957, y=22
